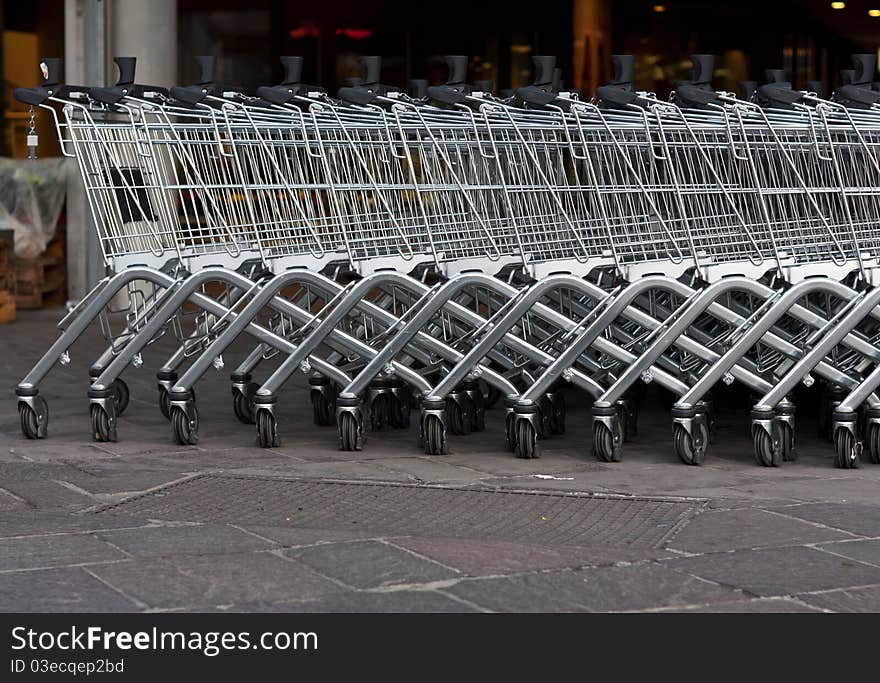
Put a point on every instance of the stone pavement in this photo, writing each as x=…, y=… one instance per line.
x=245, y=529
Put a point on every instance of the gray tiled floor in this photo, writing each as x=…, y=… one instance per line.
x=803, y=537
x=780, y=571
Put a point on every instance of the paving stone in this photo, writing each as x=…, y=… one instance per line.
x=564, y=481
x=369, y=564
x=362, y=470
x=858, y=519
x=172, y=465
x=498, y=462
x=9, y=502
x=301, y=448
x=387, y=509
x=635, y=587
x=215, y=580
x=154, y=442
x=56, y=447
x=48, y=494
x=722, y=500
x=865, y=551
x=747, y=528
x=38, y=522
x=669, y=477
x=289, y=536
x=852, y=490
x=126, y=482
x=34, y=552
x=7, y=454
x=202, y=539
x=58, y=590
x=779, y=571
x=485, y=557
x=847, y=600
x=430, y=470
x=40, y=471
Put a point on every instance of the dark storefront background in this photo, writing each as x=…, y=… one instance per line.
x=808, y=38
x=412, y=37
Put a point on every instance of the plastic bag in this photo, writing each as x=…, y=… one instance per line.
x=32, y=193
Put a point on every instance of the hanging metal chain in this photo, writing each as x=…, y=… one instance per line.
x=32, y=135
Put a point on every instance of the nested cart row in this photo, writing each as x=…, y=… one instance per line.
x=447, y=250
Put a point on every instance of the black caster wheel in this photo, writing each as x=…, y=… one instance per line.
x=186, y=431
x=526, y=440
x=242, y=403
x=28, y=418
x=786, y=437
x=165, y=402
x=607, y=444
x=323, y=411
x=510, y=432
x=762, y=442
x=435, y=436
x=847, y=451
x=242, y=407
x=873, y=441
x=349, y=432
x=30, y=426
x=380, y=411
x=121, y=395
x=101, y=430
x=460, y=416
x=267, y=429
x=683, y=442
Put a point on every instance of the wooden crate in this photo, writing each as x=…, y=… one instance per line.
x=7, y=308
x=42, y=282
x=7, y=276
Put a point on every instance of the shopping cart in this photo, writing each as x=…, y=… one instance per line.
x=442, y=244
